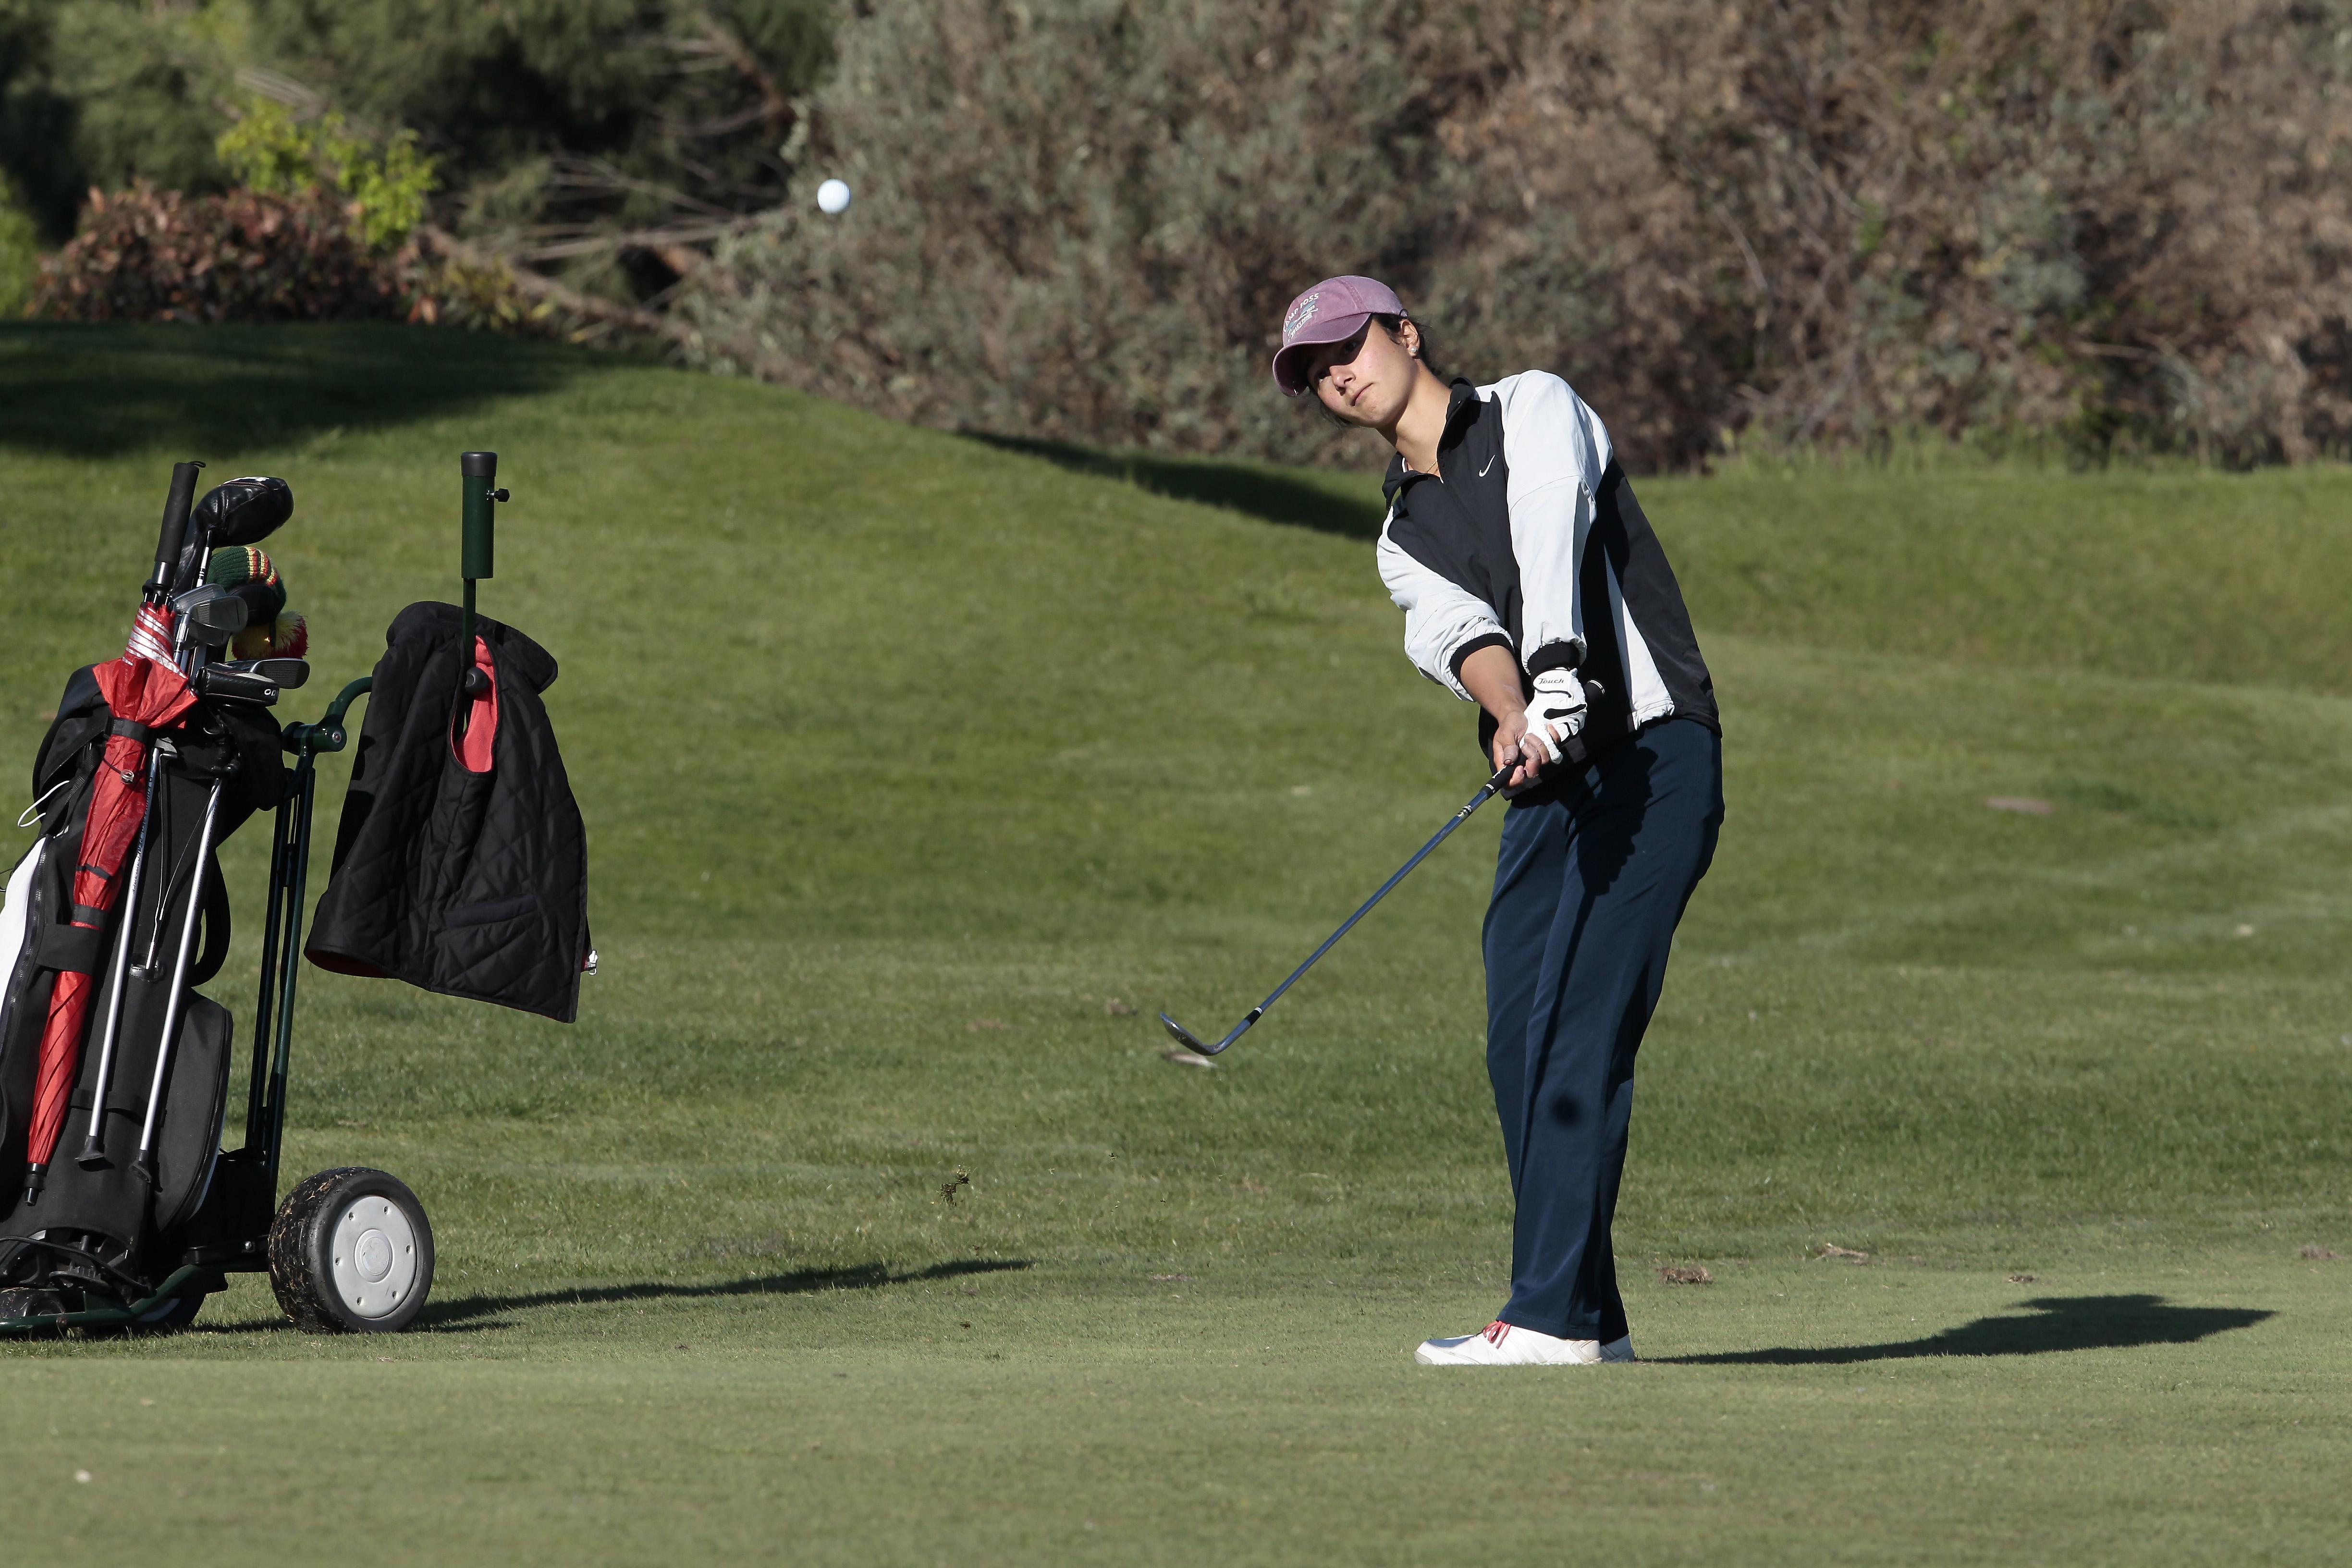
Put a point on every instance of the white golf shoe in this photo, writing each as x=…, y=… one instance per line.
x=1503, y=1345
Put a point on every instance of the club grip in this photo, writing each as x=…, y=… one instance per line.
x=237, y=686
x=182, y=496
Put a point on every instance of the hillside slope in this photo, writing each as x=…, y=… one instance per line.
x=919, y=770
x=831, y=681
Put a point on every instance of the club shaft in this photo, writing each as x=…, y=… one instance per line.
x=145, y=968
x=124, y=936
x=177, y=1005
x=1458, y=818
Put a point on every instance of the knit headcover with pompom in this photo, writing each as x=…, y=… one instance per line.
x=270, y=632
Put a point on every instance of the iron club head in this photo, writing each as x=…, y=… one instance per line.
x=1184, y=1037
x=210, y=615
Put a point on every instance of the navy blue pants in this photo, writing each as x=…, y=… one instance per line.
x=1588, y=889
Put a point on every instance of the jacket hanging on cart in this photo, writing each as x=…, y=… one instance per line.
x=461, y=864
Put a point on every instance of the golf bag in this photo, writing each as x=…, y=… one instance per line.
x=103, y=1228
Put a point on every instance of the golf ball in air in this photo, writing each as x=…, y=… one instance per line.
x=832, y=196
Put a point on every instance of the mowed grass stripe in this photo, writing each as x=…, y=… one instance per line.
x=874, y=1426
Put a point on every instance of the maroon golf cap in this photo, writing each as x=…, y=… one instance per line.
x=1330, y=312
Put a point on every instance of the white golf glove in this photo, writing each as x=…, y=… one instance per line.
x=1555, y=710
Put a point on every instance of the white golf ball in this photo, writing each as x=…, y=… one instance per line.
x=832, y=196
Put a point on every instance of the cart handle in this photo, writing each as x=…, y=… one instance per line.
x=328, y=734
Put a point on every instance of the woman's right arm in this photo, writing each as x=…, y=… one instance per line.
x=1492, y=676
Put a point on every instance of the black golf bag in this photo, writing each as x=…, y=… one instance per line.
x=104, y=1232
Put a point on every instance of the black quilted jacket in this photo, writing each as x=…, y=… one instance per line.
x=471, y=884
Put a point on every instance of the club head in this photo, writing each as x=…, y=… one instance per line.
x=1184, y=1037
x=289, y=673
x=242, y=512
x=209, y=615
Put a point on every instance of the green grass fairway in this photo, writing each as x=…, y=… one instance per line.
x=920, y=770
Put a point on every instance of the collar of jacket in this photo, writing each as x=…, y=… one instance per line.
x=1461, y=407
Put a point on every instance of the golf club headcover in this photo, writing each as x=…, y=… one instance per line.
x=288, y=636
x=1556, y=711
x=251, y=576
x=242, y=512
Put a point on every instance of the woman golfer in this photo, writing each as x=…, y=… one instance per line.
x=1532, y=586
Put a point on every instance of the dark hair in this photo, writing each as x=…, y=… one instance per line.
x=1394, y=322
x=1392, y=325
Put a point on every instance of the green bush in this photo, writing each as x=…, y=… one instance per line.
x=386, y=188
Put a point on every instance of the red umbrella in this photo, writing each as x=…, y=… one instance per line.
x=145, y=688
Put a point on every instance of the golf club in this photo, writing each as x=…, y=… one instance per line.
x=176, y=1003
x=1190, y=1042
x=206, y=618
x=209, y=616
x=93, y=1148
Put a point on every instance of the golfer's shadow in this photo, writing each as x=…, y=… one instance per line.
x=2057, y=1323
x=453, y=1317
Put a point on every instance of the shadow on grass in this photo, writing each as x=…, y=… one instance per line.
x=2059, y=1323
x=1261, y=492
x=215, y=393
x=458, y=1315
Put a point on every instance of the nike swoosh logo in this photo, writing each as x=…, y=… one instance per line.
x=1490, y=463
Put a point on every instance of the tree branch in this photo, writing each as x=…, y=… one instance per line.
x=775, y=107
x=443, y=243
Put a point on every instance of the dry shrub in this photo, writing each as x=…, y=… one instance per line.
x=2102, y=221
x=145, y=255
x=1080, y=220
x=2120, y=223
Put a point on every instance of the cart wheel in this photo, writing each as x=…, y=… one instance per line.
x=350, y=1252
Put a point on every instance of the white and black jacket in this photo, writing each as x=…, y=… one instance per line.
x=1528, y=538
